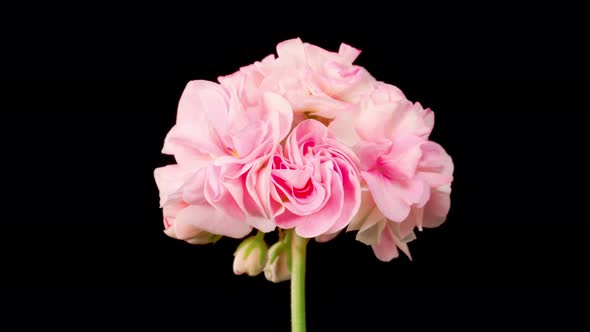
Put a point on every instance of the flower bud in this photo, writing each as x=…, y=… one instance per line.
x=250, y=257
x=277, y=267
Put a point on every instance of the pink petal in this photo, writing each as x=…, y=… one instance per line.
x=254, y=214
x=367, y=206
x=437, y=208
x=258, y=186
x=200, y=103
x=281, y=115
x=292, y=51
x=262, y=224
x=436, y=166
x=375, y=123
x=403, y=246
x=386, y=250
x=315, y=224
x=169, y=180
x=297, y=178
x=199, y=99
x=348, y=52
x=391, y=198
x=405, y=155
x=322, y=105
x=372, y=234
x=320, y=222
x=217, y=194
x=194, y=187
x=326, y=237
x=370, y=153
x=352, y=198
x=343, y=128
x=413, y=220
x=208, y=218
x=410, y=119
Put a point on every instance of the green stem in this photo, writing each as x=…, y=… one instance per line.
x=298, y=252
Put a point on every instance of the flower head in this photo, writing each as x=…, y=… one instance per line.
x=317, y=180
x=305, y=140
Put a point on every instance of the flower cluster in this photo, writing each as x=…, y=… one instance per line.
x=304, y=141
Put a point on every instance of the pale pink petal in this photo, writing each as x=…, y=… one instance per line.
x=322, y=105
x=247, y=138
x=366, y=207
x=316, y=200
x=427, y=116
x=437, y=208
x=292, y=51
x=254, y=213
x=170, y=180
x=198, y=99
x=296, y=177
x=200, y=102
x=371, y=154
x=188, y=150
x=372, y=234
x=375, y=123
x=193, y=189
x=208, y=218
x=361, y=88
x=262, y=224
x=348, y=52
x=288, y=219
x=386, y=249
x=386, y=93
x=388, y=195
x=281, y=114
x=323, y=220
x=413, y=220
x=258, y=185
x=403, y=246
x=436, y=166
x=326, y=237
x=352, y=197
x=319, y=215
x=217, y=194
x=414, y=120
x=343, y=128
x=404, y=155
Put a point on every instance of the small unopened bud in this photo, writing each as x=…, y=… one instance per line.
x=250, y=257
x=277, y=267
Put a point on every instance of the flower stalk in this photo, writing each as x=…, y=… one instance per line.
x=298, y=251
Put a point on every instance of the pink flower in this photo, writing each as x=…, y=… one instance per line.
x=387, y=134
x=407, y=176
x=317, y=180
x=386, y=236
x=249, y=156
x=223, y=141
x=198, y=223
x=314, y=80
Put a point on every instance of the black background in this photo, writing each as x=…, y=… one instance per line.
x=88, y=101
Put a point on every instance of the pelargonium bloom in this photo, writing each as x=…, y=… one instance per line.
x=317, y=179
x=196, y=223
x=251, y=154
x=384, y=235
x=307, y=142
x=314, y=80
x=402, y=169
x=223, y=140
